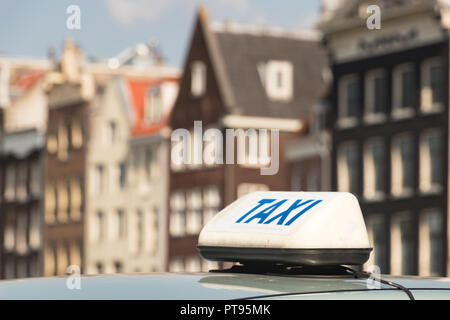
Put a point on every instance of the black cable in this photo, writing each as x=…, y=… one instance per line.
x=363, y=274
x=355, y=273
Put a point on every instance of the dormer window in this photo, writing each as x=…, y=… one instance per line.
x=198, y=78
x=154, y=105
x=277, y=78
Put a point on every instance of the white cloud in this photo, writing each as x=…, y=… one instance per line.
x=128, y=11
x=238, y=6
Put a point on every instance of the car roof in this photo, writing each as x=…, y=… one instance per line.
x=219, y=286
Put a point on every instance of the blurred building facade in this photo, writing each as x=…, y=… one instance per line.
x=86, y=175
x=75, y=141
x=23, y=105
x=237, y=77
x=389, y=127
x=111, y=193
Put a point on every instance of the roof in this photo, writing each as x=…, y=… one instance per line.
x=138, y=89
x=20, y=144
x=242, y=52
x=217, y=286
x=236, y=53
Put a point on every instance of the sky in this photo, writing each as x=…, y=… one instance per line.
x=29, y=28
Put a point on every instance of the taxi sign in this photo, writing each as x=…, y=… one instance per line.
x=292, y=228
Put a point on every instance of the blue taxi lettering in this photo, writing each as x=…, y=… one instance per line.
x=260, y=203
x=264, y=214
x=283, y=215
x=302, y=212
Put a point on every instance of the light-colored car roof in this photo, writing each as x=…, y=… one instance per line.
x=221, y=286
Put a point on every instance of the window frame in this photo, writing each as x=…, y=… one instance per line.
x=370, y=116
x=397, y=172
x=369, y=194
x=344, y=120
x=426, y=97
x=398, y=111
x=428, y=187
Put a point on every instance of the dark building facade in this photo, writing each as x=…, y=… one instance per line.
x=389, y=128
x=236, y=77
x=21, y=203
x=65, y=168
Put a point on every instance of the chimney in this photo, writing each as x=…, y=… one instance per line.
x=71, y=61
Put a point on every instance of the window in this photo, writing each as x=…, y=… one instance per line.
x=376, y=96
x=193, y=264
x=75, y=253
x=433, y=85
x=194, y=212
x=118, y=267
x=10, y=182
x=9, y=236
x=50, y=260
x=21, y=232
x=62, y=258
x=374, y=169
x=154, y=106
x=348, y=168
x=278, y=80
x=378, y=232
x=198, y=78
x=320, y=117
x=99, y=267
x=349, y=101
x=177, y=214
x=148, y=163
x=21, y=186
x=403, y=90
x=35, y=178
x=121, y=224
x=35, y=269
x=50, y=203
x=122, y=175
x=100, y=226
x=177, y=159
x=176, y=265
x=99, y=179
x=63, y=142
x=403, y=233
x=431, y=161
x=77, y=134
x=21, y=271
x=62, y=202
x=212, y=202
x=140, y=230
x=112, y=133
x=403, y=173
x=52, y=143
x=431, y=243
x=34, y=234
x=76, y=199
x=407, y=246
